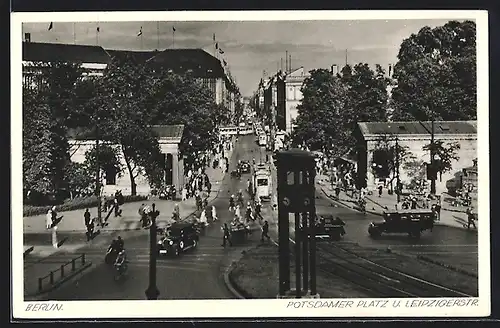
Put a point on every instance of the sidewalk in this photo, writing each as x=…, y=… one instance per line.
x=72, y=227
x=376, y=205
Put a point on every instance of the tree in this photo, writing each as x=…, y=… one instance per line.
x=445, y=155
x=436, y=74
x=389, y=157
x=367, y=94
x=47, y=109
x=184, y=100
x=126, y=98
x=38, y=169
x=79, y=179
x=415, y=169
x=320, y=123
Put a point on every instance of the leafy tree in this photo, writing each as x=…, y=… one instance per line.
x=38, y=169
x=367, y=95
x=125, y=95
x=321, y=122
x=183, y=100
x=79, y=179
x=446, y=154
x=436, y=74
x=392, y=155
x=415, y=169
x=55, y=96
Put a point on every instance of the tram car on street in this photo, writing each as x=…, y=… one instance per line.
x=412, y=222
x=329, y=227
x=262, y=183
x=244, y=166
x=177, y=239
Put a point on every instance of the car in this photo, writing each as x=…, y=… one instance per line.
x=329, y=227
x=413, y=222
x=244, y=166
x=177, y=239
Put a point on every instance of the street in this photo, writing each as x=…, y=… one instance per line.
x=197, y=274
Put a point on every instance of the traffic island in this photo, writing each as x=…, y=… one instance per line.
x=256, y=274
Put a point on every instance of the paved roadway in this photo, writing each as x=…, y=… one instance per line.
x=197, y=274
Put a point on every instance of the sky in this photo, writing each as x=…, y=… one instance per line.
x=250, y=47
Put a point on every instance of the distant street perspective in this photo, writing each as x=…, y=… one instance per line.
x=163, y=172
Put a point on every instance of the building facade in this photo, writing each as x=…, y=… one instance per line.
x=293, y=85
x=94, y=60
x=414, y=136
x=169, y=137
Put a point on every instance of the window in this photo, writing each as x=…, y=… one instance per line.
x=261, y=182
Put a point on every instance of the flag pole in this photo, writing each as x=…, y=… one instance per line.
x=158, y=36
x=173, y=37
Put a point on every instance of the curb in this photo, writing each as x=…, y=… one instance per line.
x=231, y=285
x=447, y=266
x=229, y=282
x=39, y=295
x=345, y=204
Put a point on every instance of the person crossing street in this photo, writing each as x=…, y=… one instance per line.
x=226, y=236
x=265, y=232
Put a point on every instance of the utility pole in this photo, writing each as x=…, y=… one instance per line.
x=433, y=180
x=152, y=292
x=398, y=182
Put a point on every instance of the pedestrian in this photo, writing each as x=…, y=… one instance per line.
x=380, y=191
x=176, y=213
x=470, y=218
x=226, y=236
x=209, y=187
x=118, y=212
x=184, y=193
x=265, y=232
x=237, y=211
x=438, y=207
x=87, y=220
x=214, y=213
x=48, y=220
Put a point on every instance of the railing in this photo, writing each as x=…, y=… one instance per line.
x=53, y=275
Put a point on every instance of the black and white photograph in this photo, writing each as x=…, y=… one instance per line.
x=291, y=164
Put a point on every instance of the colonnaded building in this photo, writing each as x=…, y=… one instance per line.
x=169, y=137
x=416, y=135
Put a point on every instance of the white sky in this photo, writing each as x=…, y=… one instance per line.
x=250, y=47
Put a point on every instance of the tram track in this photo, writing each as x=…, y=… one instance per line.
x=382, y=281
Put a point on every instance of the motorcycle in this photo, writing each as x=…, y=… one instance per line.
x=120, y=270
x=110, y=256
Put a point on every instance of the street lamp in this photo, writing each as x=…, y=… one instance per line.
x=98, y=171
x=152, y=292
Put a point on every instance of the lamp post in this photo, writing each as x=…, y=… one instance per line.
x=398, y=182
x=431, y=149
x=98, y=171
x=152, y=292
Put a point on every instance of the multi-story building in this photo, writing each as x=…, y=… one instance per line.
x=293, y=85
x=94, y=60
